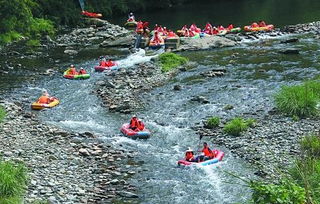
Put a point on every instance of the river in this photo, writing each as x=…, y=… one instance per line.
x=237, y=12
x=254, y=73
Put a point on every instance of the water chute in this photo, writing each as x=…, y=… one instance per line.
x=81, y=2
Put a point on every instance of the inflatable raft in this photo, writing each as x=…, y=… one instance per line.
x=144, y=134
x=131, y=24
x=234, y=30
x=266, y=28
x=40, y=106
x=154, y=45
x=76, y=76
x=102, y=68
x=219, y=156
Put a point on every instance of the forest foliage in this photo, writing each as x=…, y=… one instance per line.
x=36, y=18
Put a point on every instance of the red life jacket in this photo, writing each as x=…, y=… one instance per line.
x=254, y=25
x=189, y=156
x=230, y=27
x=140, y=125
x=73, y=71
x=262, y=24
x=82, y=71
x=134, y=123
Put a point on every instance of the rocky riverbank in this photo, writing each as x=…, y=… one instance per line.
x=271, y=145
x=65, y=167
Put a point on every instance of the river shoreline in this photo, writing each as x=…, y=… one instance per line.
x=85, y=160
x=65, y=167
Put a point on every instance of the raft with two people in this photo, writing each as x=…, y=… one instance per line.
x=106, y=65
x=135, y=129
x=261, y=26
x=208, y=157
x=72, y=73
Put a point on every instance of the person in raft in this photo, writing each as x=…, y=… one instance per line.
x=72, y=70
x=131, y=17
x=207, y=152
x=254, y=25
x=136, y=124
x=189, y=156
x=110, y=63
x=262, y=24
x=82, y=71
x=45, y=98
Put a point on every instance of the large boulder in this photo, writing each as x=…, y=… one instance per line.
x=119, y=42
x=205, y=43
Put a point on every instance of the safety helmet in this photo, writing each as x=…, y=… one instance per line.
x=189, y=150
x=72, y=65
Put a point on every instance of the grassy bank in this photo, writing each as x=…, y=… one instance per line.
x=300, y=184
x=2, y=113
x=13, y=182
x=300, y=100
x=169, y=61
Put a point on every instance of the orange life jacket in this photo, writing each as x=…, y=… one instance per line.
x=140, y=125
x=44, y=99
x=207, y=152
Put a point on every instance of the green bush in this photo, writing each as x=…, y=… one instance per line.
x=238, y=125
x=307, y=174
x=41, y=27
x=33, y=43
x=169, y=61
x=300, y=100
x=9, y=37
x=310, y=145
x=213, y=122
x=13, y=178
x=286, y=192
x=2, y=113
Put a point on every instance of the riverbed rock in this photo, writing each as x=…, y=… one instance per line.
x=125, y=41
x=290, y=51
x=205, y=43
x=71, y=52
x=291, y=40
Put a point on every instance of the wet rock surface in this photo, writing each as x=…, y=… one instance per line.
x=105, y=34
x=120, y=90
x=65, y=167
x=205, y=43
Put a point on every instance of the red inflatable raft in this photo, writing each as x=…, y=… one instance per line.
x=143, y=134
x=216, y=159
x=102, y=68
x=91, y=15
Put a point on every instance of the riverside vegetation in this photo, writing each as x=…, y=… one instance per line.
x=299, y=100
x=300, y=184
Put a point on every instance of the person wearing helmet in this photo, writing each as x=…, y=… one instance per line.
x=134, y=123
x=131, y=17
x=82, y=71
x=72, y=70
x=189, y=155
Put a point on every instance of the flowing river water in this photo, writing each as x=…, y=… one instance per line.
x=255, y=71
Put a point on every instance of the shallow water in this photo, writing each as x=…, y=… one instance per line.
x=255, y=71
